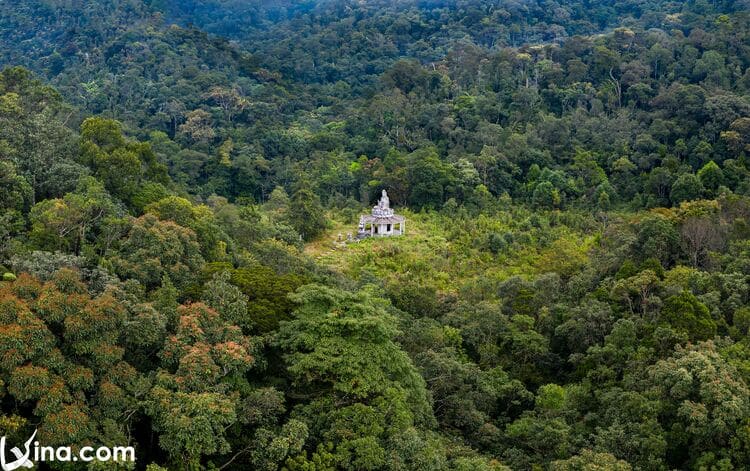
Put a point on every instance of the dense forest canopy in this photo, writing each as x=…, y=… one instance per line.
x=572, y=293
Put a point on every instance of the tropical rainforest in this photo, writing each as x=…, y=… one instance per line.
x=177, y=179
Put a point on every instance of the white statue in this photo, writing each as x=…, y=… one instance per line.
x=385, y=203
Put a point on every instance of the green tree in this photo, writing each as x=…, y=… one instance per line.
x=227, y=300
x=588, y=460
x=33, y=134
x=542, y=435
x=711, y=177
x=340, y=348
x=704, y=406
x=15, y=198
x=427, y=177
x=306, y=214
x=191, y=424
x=687, y=187
x=546, y=196
x=684, y=312
x=658, y=239
x=122, y=166
x=66, y=223
x=197, y=394
x=103, y=148
x=342, y=364
x=153, y=248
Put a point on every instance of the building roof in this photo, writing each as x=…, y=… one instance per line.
x=381, y=214
x=368, y=219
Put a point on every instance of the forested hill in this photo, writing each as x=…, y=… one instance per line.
x=488, y=23
x=321, y=85
x=355, y=41
x=329, y=40
x=176, y=179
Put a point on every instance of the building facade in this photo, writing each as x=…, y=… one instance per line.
x=382, y=222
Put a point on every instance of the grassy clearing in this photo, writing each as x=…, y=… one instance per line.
x=453, y=253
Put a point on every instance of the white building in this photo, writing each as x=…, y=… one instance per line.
x=382, y=222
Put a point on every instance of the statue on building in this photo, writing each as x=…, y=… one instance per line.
x=382, y=222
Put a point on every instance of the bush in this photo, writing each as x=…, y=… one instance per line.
x=496, y=243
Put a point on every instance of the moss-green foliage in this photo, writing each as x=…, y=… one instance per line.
x=450, y=253
x=267, y=294
x=366, y=395
x=684, y=312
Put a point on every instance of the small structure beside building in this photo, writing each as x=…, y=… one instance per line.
x=382, y=222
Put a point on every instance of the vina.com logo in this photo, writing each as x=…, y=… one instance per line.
x=35, y=453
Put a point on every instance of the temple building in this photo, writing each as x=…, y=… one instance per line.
x=382, y=222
